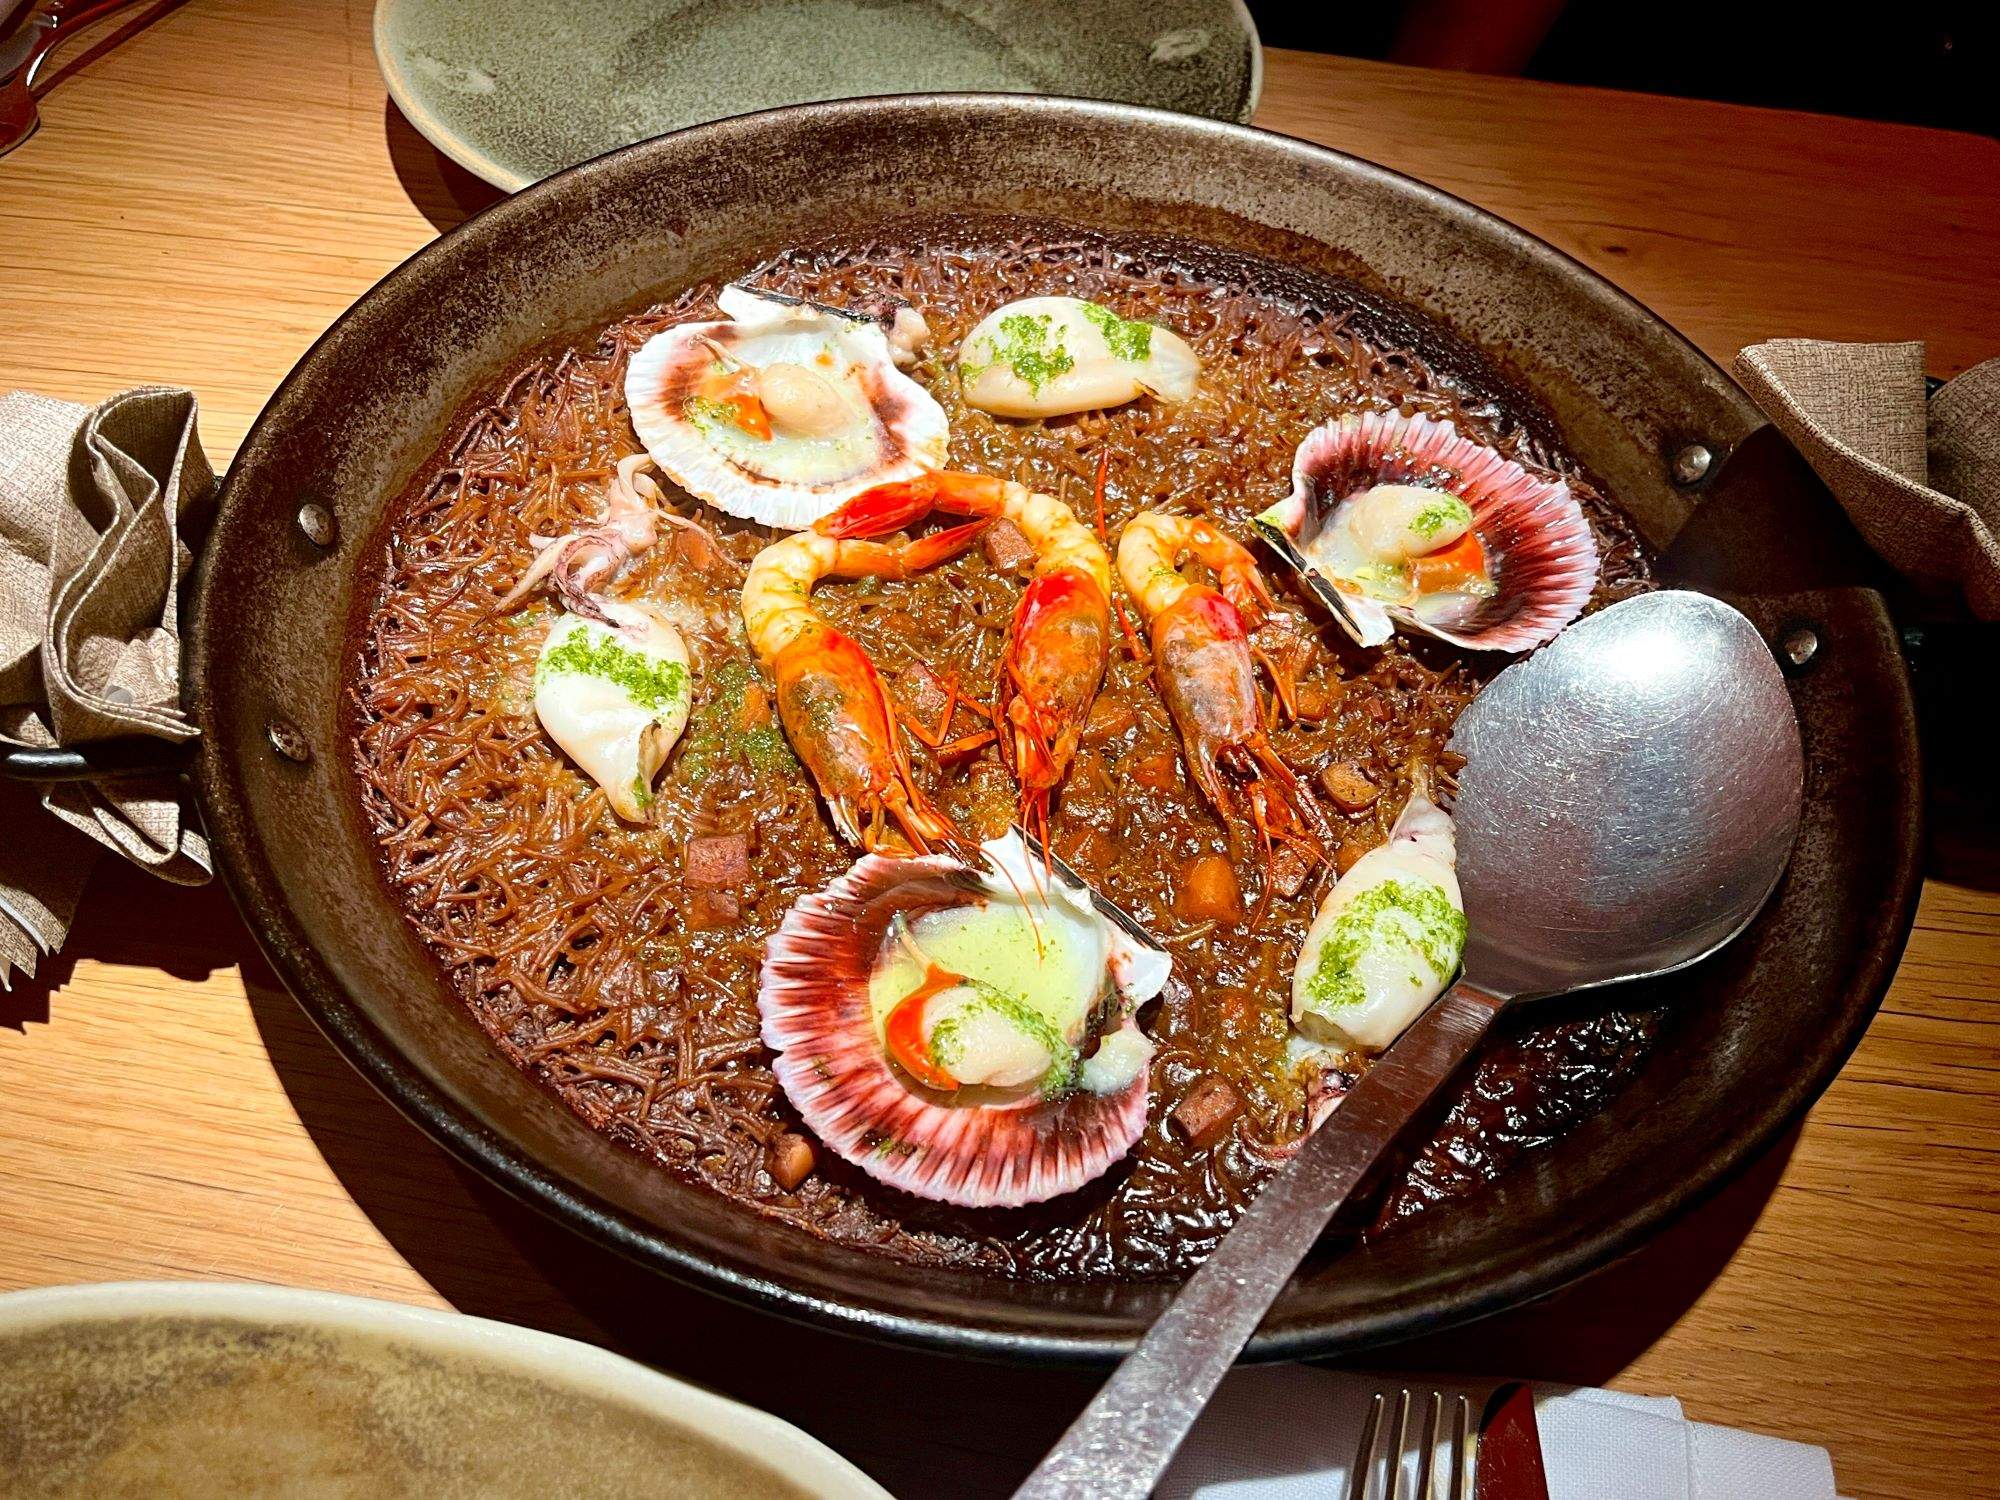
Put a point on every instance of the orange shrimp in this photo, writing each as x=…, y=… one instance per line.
x=836, y=711
x=1060, y=639
x=1208, y=676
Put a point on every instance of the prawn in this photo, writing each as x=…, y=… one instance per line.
x=836, y=711
x=1060, y=638
x=1208, y=675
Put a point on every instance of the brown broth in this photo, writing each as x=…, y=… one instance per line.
x=567, y=933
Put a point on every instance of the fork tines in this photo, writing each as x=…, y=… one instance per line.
x=1378, y=1463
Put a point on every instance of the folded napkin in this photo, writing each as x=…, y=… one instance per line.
x=1920, y=480
x=100, y=508
x=1278, y=1432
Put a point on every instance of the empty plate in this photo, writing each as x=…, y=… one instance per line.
x=513, y=90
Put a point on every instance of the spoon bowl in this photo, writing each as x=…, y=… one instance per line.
x=1630, y=797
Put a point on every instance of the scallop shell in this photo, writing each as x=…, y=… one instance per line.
x=817, y=1018
x=1543, y=556
x=787, y=482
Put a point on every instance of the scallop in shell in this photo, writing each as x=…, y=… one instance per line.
x=962, y=1035
x=1396, y=520
x=786, y=409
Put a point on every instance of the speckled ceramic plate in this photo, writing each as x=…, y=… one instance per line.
x=514, y=90
x=171, y=1389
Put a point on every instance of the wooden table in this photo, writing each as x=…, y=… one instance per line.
x=204, y=199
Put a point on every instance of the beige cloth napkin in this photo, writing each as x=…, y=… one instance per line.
x=1920, y=481
x=100, y=508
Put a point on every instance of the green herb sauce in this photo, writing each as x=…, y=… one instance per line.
x=1446, y=510
x=1383, y=580
x=1126, y=339
x=709, y=415
x=946, y=1047
x=1026, y=345
x=651, y=684
x=713, y=736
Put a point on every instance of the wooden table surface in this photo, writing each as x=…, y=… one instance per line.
x=206, y=197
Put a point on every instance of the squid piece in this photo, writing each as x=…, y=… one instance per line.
x=1048, y=356
x=1387, y=939
x=614, y=694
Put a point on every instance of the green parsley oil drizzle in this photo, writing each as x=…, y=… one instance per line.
x=1446, y=510
x=709, y=415
x=651, y=684
x=1027, y=345
x=946, y=1048
x=1126, y=339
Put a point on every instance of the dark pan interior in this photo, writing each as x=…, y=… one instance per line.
x=1755, y=1034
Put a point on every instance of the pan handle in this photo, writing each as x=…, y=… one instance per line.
x=105, y=760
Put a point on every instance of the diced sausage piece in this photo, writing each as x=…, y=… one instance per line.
x=1006, y=546
x=1289, y=870
x=1109, y=718
x=792, y=1160
x=1205, y=1111
x=694, y=548
x=1092, y=850
x=719, y=861
x=1349, y=787
x=1208, y=891
x=923, y=693
x=1377, y=708
x=708, y=910
x=1352, y=848
x=1158, y=772
x=1316, y=696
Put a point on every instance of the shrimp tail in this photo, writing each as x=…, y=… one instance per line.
x=890, y=507
x=928, y=551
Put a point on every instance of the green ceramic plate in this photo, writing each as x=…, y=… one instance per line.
x=516, y=89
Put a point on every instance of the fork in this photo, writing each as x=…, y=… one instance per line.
x=31, y=31
x=1375, y=1457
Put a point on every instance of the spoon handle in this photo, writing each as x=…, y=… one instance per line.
x=1120, y=1445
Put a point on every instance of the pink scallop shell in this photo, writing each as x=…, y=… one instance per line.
x=813, y=996
x=1544, y=558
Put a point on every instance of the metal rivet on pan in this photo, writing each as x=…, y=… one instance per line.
x=317, y=522
x=1799, y=645
x=1692, y=463
x=287, y=741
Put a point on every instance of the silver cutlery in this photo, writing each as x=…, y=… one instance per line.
x=1446, y=1419
x=38, y=28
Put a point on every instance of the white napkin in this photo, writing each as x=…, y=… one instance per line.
x=1288, y=1432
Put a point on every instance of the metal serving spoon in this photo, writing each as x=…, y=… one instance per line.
x=1629, y=800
